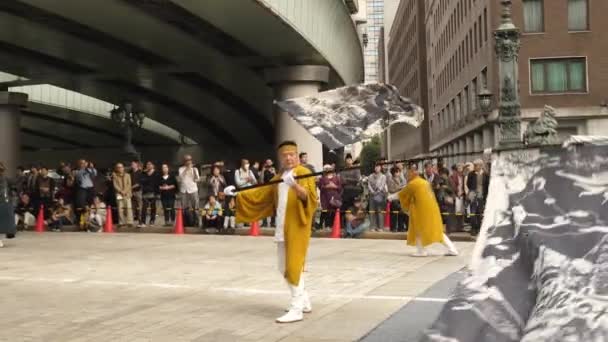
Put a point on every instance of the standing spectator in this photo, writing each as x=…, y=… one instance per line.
x=244, y=177
x=216, y=182
x=446, y=198
x=385, y=166
x=188, y=188
x=137, y=199
x=109, y=196
x=304, y=162
x=213, y=214
x=67, y=190
x=394, y=184
x=230, y=214
x=97, y=215
x=331, y=196
x=255, y=168
x=30, y=187
x=168, y=189
x=478, y=182
x=25, y=214
x=149, y=188
x=85, y=186
x=61, y=215
x=356, y=219
x=378, y=192
x=429, y=173
x=267, y=174
x=7, y=217
x=44, y=191
x=351, y=183
x=20, y=181
x=457, y=181
x=124, y=194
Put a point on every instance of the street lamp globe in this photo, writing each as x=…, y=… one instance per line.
x=485, y=101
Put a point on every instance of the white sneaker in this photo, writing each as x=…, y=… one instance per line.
x=1, y=244
x=420, y=254
x=452, y=252
x=141, y=225
x=306, y=307
x=291, y=316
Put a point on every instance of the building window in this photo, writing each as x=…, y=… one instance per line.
x=533, y=16
x=578, y=15
x=558, y=75
x=474, y=92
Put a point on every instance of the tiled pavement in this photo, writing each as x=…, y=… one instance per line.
x=152, y=287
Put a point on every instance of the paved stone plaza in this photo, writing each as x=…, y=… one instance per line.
x=151, y=287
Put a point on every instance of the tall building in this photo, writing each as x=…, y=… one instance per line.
x=561, y=63
x=375, y=21
x=407, y=64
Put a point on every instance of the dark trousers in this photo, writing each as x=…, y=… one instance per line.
x=84, y=197
x=398, y=217
x=213, y=222
x=477, y=208
x=168, y=208
x=148, y=203
x=327, y=217
x=58, y=224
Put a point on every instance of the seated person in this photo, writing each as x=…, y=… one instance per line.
x=212, y=214
x=97, y=215
x=356, y=219
x=229, y=214
x=61, y=215
x=25, y=215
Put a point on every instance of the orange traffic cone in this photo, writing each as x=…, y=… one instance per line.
x=108, y=226
x=40, y=220
x=179, y=222
x=387, y=216
x=255, y=229
x=337, y=228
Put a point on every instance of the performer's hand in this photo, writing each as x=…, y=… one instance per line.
x=230, y=191
x=289, y=180
x=393, y=197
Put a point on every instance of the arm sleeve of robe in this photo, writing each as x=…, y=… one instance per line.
x=405, y=197
x=255, y=204
x=306, y=209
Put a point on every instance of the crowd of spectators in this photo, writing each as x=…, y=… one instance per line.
x=140, y=195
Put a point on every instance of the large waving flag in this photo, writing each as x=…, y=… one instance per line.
x=350, y=114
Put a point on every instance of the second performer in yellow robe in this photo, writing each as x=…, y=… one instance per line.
x=425, y=226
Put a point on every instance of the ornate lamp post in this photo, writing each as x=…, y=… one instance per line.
x=507, y=51
x=129, y=120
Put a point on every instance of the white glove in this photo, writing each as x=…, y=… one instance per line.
x=230, y=191
x=393, y=197
x=288, y=179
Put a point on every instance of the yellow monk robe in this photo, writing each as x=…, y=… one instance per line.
x=256, y=204
x=418, y=199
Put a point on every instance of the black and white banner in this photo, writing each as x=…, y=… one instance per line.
x=540, y=270
x=348, y=115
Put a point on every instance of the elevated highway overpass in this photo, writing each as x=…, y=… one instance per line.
x=204, y=72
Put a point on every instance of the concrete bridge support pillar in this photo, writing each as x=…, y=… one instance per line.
x=10, y=130
x=290, y=82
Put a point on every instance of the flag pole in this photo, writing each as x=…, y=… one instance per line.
x=409, y=161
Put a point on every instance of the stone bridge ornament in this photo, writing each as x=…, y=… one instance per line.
x=544, y=130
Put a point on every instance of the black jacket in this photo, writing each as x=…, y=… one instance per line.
x=149, y=183
x=171, y=180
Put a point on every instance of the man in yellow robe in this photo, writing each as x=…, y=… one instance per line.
x=425, y=226
x=294, y=202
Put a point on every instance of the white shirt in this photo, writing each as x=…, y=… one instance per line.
x=279, y=232
x=188, y=180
